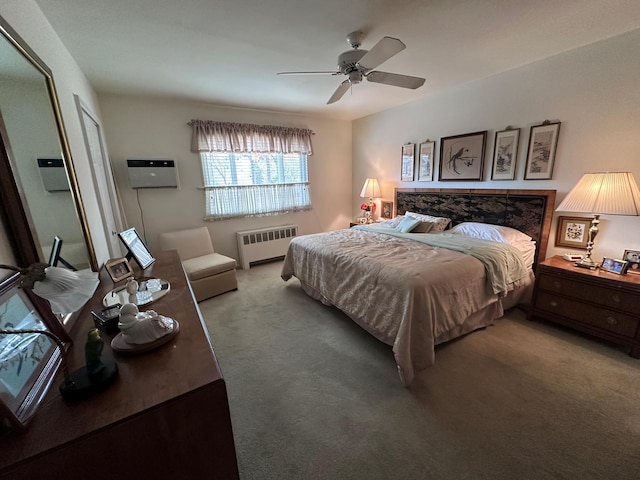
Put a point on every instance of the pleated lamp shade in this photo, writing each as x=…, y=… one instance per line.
x=371, y=188
x=610, y=193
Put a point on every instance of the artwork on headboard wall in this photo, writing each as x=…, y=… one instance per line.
x=408, y=161
x=425, y=161
x=505, y=154
x=462, y=156
x=541, y=154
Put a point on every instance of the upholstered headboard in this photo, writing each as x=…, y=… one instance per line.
x=529, y=211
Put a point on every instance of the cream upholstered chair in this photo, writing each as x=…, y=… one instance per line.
x=209, y=273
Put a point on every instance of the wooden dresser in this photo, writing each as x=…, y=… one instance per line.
x=166, y=415
x=597, y=302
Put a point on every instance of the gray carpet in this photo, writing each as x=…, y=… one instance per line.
x=313, y=396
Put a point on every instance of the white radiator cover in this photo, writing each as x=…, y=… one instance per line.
x=264, y=243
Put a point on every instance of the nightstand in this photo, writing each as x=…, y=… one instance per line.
x=596, y=302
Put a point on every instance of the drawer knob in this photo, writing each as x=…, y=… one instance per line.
x=557, y=285
x=553, y=303
x=612, y=321
x=615, y=298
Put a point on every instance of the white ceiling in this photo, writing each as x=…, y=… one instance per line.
x=227, y=52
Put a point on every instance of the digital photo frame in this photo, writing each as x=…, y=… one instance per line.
x=136, y=248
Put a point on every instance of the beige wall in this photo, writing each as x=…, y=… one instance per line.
x=593, y=91
x=156, y=128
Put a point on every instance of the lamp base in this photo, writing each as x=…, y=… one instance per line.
x=79, y=385
x=588, y=264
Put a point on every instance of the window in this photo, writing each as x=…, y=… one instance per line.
x=244, y=184
x=252, y=169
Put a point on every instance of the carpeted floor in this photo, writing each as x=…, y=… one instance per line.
x=313, y=396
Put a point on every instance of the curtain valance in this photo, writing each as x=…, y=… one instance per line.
x=210, y=136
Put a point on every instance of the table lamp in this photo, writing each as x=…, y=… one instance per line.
x=371, y=189
x=609, y=193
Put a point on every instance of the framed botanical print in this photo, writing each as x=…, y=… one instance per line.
x=505, y=154
x=408, y=161
x=29, y=360
x=541, y=153
x=462, y=156
x=573, y=232
x=425, y=161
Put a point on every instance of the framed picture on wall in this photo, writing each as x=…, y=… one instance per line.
x=425, y=161
x=541, y=153
x=573, y=232
x=505, y=154
x=462, y=156
x=408, y=161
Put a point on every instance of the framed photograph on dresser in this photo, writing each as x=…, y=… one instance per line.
x=632, y=257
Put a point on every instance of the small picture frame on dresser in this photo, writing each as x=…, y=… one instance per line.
x=614, y=265
x=633, y=261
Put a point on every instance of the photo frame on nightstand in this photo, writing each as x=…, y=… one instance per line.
x=632, y=257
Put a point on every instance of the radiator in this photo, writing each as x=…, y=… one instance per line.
x=264, y=244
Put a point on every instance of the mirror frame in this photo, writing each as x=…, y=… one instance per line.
x=11, y=192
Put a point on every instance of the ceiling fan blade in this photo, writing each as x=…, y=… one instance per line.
x=381, y=52
x=340, y=91
x=321, y=72
x=404, y=81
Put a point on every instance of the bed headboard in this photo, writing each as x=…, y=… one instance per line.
x=529, y=211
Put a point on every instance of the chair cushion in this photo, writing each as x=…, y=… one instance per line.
x=208, y=265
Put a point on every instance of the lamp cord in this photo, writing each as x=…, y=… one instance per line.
x=56, y=340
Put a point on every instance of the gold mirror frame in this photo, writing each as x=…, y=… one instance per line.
x=15, y=208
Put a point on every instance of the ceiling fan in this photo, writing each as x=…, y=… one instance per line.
x=358, y=64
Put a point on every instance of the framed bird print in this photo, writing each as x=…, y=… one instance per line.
x=462, y=157
x=408, y=162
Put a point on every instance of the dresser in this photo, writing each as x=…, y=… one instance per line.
x=166, y=415
x=600, y=303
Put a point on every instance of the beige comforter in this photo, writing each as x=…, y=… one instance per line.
x=407, y=294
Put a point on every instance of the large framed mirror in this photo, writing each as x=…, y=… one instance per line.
x=39, y=194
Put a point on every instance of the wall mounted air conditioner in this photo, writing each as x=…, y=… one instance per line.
x=152, y=173
x=54, y=175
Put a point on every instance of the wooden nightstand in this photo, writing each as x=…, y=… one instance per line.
x=599, y=303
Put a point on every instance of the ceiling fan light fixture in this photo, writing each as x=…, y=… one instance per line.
x=355, y=77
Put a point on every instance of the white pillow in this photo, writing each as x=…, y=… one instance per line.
x=394, y=222
x=439, y=223
x=486, y=231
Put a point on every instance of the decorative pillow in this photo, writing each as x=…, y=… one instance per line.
x=407, y=224
x=439, y=223
x=423, y=227
x=486, y=231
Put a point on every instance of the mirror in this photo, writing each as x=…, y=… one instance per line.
x=38, y=187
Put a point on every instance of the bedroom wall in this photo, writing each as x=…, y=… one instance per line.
x=154, y=127
x=26, y=18
x=592, y=90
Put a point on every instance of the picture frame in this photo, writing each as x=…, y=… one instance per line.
x=118, y=269
x=505, y=154
x=28, y=361
x=541, y=152
x=632, y=257
x=386, y=210
x=426, y=151
x=462, y=157
x=408, y=162
x=136, y=247
x=614, y=265
x=573, y=232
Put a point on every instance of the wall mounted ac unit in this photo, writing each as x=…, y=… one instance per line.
x=152, y=173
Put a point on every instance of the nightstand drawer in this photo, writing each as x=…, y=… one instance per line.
x=603, y=318
x=606, y=297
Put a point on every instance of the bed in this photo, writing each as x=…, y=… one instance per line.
x=416, y=290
